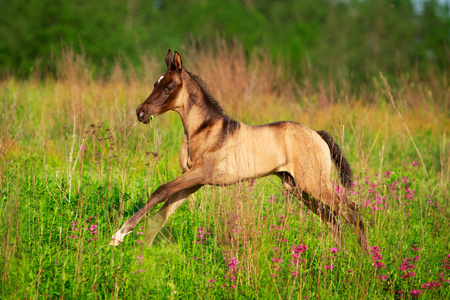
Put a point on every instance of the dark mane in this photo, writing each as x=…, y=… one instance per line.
x=207, y=93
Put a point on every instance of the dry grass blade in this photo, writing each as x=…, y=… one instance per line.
x=388, y=93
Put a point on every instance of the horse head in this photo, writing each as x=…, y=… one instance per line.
x=167, y=91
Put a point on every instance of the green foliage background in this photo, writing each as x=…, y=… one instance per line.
x=351, y=39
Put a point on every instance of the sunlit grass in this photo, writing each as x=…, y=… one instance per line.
x=75, y=165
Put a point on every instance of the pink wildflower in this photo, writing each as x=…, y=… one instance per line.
x=446, y=263
x=299, y=249
x=296, y=252
x=92, y=229
x=232, y=263
x=202, y=234
x=407, y=266
x=276, y=259
x=376, y=257
x=442, y=278
x=431, y=285
x=408, y=275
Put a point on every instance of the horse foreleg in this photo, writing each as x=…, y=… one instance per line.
x=192, y=179
x=158, y=221
x=131, y=222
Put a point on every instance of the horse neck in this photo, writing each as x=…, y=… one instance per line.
x=197, y=110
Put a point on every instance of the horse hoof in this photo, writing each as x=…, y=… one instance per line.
x=114, y=242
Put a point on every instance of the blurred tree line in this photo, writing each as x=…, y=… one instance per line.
x=351, y=39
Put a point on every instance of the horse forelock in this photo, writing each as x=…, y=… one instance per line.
x=209, y=97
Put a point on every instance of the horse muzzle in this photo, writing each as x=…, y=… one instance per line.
x=143, y=115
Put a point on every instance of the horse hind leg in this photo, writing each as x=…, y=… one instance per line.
x=354, y=218
x=347, y=209
x=317, y=207
x=329, y=217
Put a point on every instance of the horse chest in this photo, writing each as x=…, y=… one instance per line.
x=185, y=155
x=189, y=162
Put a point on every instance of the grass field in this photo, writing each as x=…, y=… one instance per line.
x=75, y=164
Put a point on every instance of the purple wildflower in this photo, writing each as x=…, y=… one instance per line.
x=232, y=263
x=376, y=257
x=202, y=234
x=415, y=293
x=431, y=285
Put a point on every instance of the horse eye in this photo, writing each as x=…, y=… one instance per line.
x=169, y=89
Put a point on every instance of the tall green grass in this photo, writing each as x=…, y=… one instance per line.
x=74, y=162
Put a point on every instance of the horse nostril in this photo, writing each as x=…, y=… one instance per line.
x=142, y=113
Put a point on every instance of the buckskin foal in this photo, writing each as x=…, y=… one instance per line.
x=220, y=151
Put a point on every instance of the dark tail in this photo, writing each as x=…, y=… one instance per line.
x=345, y=172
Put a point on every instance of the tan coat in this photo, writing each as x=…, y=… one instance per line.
x=217, y=150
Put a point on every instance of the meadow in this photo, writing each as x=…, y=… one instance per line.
x=75, y=163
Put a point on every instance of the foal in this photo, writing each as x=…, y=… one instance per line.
x=220, y=151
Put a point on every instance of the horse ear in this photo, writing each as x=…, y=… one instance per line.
x=177, y=61
x=169, y=59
